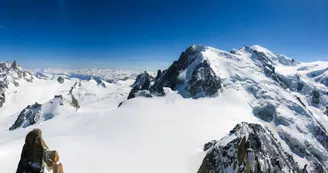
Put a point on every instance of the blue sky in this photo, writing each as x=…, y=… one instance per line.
x=150, y=34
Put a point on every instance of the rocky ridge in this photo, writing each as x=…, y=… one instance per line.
x=11, y=74
x=248, y=148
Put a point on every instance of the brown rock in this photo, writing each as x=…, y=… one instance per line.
x=58, y=168
x=31, y=156
x=36, y=155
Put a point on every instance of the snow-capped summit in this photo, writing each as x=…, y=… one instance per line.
x=194, y=74
x=279, y=98
x=11, y=74
x=275, y=58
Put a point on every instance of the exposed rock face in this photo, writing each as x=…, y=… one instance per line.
x=103, y=83
x=169, y=77
x=29, y=116
x=248, y=148
x=75, y=102
x=36, y=156
x=61, y=80
x=2, y=99
x=202, y=82
x=159, y=73
x=33, y=113
x=142, y=83
x=315, y=97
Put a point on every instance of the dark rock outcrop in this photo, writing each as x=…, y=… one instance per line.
x=60, y=79
x=169, y=77
x=28, y=116
x=315, y=97
x=159, y=73
x=2, y=99
x=251, y=148
x=142, y=83
x=75, y=102
x=36, y=156
x=102, y=83
x=33, y=113
x=203, y=81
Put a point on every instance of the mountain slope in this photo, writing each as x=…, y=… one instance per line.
x=199, y=98
x=248, y=148
x=288, y=103
x=11, y=74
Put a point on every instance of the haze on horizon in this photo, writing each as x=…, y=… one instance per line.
x=151, y=34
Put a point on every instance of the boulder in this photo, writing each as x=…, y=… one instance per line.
x=61, y=80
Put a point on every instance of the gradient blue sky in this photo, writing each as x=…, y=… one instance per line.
x=151, y=34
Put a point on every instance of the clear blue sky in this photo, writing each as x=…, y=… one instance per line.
x=152, y=33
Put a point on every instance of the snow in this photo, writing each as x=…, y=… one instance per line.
x=136, y=137
x=162, y=134
x=97, y=73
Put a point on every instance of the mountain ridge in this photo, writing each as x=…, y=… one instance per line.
x=207, y=91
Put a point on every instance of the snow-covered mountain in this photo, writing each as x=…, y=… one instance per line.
x=11, y=74
x=164, y=124
x=289, y=102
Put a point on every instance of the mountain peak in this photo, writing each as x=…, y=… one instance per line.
x=261, y=49
x=14, y=65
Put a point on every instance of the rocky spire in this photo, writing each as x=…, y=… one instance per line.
x=36, y=156
x=14, y=65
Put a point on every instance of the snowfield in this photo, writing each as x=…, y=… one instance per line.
x=167, y=134
x=145, y=134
